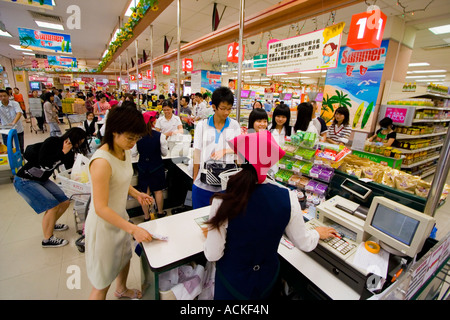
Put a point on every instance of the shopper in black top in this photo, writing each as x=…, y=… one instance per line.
x=43, y=195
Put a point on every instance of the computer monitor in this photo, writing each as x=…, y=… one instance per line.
x=397, y=226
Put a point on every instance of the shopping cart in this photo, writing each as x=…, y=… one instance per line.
x=15, y=158
x=80, y=193
x=75, y=118
x=36, y=112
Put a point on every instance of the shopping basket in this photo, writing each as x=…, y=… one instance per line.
x=75, y=118
x=76, y=190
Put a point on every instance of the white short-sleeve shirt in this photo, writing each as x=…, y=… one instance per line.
x=168, y=125
x=208, y=140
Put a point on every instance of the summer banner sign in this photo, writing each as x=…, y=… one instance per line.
x=355, y=84
x=311, y=51
x=60, y=61
x=44, y=41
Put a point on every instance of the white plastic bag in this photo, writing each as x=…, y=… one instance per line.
x=80, y=169
x=208, y=282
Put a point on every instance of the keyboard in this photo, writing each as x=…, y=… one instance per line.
x=340, y=246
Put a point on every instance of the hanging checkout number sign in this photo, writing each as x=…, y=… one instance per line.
x=366, y=29
x=166, y=69
x=233, y=52
x=187, y=65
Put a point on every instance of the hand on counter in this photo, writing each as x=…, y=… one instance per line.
x=326, y=232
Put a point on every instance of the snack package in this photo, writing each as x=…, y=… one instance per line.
x=406, y=182
x=423, y=188
x=389, y=177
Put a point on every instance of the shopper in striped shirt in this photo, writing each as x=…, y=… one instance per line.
x=340, y=130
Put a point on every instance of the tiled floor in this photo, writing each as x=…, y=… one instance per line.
x=27, y=271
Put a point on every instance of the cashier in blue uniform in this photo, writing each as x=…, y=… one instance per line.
x=248, y=220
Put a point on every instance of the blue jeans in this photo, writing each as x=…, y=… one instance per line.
x=200, y=197
x=41, y=196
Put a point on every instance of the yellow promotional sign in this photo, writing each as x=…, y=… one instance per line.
x=333, y=31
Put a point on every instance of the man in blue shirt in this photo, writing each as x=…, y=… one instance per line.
x=10, y=115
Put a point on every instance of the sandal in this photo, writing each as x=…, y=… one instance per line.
x=136, y=292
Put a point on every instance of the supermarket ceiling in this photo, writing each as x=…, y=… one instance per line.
x=100, y=19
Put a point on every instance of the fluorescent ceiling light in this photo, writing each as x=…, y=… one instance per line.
x=28, y=53
x=19, y=48
x=437, y=76
x=415, y=77
x=128, y=13
x=418, y=64
x=5, y=34
x=49, y=25
x=440, y=29
x=428, y=71
x=431, y=80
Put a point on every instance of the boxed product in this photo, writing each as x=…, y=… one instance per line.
x=290, y=149
x=294, y=180
x=306, y=168
x=283, y=176
x=321, y=172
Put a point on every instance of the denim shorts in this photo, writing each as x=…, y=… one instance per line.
x=40, y=195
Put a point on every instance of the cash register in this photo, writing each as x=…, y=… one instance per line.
x=397, y=229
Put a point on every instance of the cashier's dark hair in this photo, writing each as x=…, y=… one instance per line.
x=121, y=120
x=235, y=198
x=282, y=110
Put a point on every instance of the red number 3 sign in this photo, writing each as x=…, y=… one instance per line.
x=366, y=29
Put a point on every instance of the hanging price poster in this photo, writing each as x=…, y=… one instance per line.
x=311, y=51
x=60, y=61
x=44, y=41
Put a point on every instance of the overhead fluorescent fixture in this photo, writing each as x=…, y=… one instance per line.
x=418, y=64
x=19, y=48
x=437, y=76
x=430, y=80
x=129, y=12
x=415, y=77
x=5, y=34
x=28, y=53
x=440, y=29
x=428, y=71
x=49, y=25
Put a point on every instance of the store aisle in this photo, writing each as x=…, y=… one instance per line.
x=28, y=271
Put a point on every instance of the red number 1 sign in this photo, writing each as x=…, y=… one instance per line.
x=233, y=52
x=366, y=30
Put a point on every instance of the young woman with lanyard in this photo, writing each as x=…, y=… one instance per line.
x=340, y=130
x=247, y=221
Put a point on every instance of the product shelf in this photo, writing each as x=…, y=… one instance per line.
x=415, y=164
x=402, y=136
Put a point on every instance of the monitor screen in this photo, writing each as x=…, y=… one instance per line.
x=395, y=224
x=34, y=85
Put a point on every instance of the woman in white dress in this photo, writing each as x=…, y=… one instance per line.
x=108, y=230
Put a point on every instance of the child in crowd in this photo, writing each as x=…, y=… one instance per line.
x=257, y=120
x=280, y=127
x=151, y=175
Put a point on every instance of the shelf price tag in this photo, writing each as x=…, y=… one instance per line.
x=366, y=29
x=187, y=65
x=166, y=69
x=233, y=52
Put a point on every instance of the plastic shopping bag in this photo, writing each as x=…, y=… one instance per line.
x=80, y=169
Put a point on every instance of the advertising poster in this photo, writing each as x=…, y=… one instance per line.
x=44, y=41
x=205, y=81
x=311, y=51
x=355, y=84
x=60, y=61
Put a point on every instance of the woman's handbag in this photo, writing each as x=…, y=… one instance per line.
x=211, y=171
